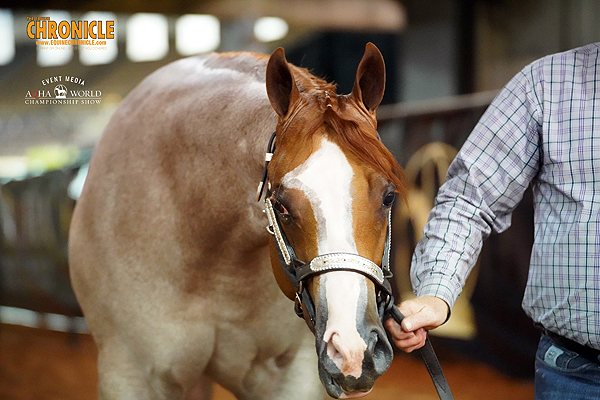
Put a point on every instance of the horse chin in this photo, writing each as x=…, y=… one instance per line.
x=355, y=395
x=334, y=388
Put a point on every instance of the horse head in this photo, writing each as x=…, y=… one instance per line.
x=331, y=187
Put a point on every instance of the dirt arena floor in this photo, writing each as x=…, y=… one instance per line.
x=37, y=364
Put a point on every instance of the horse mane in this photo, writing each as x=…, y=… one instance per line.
x=360, y=140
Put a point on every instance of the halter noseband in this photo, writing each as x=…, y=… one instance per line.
x=298, y=271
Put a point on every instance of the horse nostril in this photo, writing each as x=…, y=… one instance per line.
x=381, y=351
x=333, y=350
x=373, y=342
x=346, y=357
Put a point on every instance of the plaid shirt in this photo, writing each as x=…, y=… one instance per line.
x=542, y=129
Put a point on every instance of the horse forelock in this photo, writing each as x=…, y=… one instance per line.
x=362, y=142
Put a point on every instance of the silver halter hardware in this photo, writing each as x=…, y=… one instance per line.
x=273, y=229
x=331, y=261
x=347, y=261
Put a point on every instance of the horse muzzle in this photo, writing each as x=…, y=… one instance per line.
x=349, y=374
x=352, y=346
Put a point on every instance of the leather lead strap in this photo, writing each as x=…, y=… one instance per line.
x=429, y=359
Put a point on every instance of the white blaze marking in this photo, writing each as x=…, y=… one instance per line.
x=326, y=180
x=344, y=344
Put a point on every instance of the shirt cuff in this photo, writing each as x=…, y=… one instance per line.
x=442, y=291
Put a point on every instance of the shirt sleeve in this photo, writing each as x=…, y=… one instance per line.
x=485, y=182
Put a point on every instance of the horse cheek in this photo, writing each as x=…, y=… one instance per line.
x=282, y=280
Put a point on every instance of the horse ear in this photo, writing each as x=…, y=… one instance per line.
x=370, y=78
x=281, y=87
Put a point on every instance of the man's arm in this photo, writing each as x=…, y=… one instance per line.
x=485, y=183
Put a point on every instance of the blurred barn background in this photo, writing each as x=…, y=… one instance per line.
x=445, y=61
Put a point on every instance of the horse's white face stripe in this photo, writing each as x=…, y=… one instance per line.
x=326, y=180
x=345, y=300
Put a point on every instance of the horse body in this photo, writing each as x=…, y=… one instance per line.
x=169, y=255
x=168, y=244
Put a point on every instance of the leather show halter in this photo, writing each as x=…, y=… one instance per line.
x=298, y=272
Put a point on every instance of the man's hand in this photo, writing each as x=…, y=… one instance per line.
x=421, y=314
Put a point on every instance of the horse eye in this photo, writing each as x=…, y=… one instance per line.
x=389, y=198
x=280, y=208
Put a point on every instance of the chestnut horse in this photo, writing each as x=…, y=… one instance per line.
x=169, y=254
